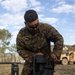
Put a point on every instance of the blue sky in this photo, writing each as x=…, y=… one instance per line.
x=59, y=13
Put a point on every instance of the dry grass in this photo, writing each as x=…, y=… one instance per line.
x=59, y=69
x=65, y=69
x=5, y=69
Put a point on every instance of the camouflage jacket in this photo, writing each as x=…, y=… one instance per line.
x=28, y=44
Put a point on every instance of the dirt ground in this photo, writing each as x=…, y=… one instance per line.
x=6, y=69
x=65, y=70
x=59, y=69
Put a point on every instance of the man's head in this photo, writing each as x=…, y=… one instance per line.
x=30, y=16
x=31, y=20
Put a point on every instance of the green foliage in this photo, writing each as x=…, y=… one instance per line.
x=5, y=37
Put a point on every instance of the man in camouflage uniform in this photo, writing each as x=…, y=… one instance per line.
x=35, y=38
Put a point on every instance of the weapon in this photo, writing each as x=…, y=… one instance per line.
x=41, y=66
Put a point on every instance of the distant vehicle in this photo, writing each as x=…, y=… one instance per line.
x=67, y=57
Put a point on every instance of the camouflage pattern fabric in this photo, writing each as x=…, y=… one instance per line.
x=28, y=44
x=27, y=69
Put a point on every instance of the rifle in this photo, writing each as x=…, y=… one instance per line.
x=41, y=66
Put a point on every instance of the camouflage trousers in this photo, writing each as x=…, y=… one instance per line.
x=27, y=69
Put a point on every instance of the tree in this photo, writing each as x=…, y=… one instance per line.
x=5, y=37
x=13, y=49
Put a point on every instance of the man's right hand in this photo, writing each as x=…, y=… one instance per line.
x=54, y=57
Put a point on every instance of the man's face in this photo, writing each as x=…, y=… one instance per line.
x=33, y=26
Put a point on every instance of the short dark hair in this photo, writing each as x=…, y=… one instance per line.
x=30, y=15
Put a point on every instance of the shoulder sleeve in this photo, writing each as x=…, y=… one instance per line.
x=53, y=35
x=23, y=52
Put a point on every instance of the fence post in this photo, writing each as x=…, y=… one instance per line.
x=14, y=69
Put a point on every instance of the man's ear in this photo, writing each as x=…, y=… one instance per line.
x=25, y=23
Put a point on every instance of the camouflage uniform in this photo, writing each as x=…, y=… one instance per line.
x=29, y=44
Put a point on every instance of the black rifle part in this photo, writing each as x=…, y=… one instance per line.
x=41, y=66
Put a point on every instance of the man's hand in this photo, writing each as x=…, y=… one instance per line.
x=54, y=57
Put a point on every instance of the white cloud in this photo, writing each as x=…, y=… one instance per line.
x=69, y=35
x=0, y=0
x=51, y=20
x=72, y=36
x=34, y=3
x=15, y=5
x=9, y=21
x=61, y=2
x=3, y=26
x=38, y=8
x=69, y=30
x=11, y=17
x=18, y=27
x=64, y=8
x=15, y=20
x=58, y=2
x=21, y=5
x=14, y=36
x=12, y=20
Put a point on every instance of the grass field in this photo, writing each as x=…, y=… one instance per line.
x=5, y=69
x=59, y=69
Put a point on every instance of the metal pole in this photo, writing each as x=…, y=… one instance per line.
x=14, y=69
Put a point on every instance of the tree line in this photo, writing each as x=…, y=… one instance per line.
x=5, y=37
